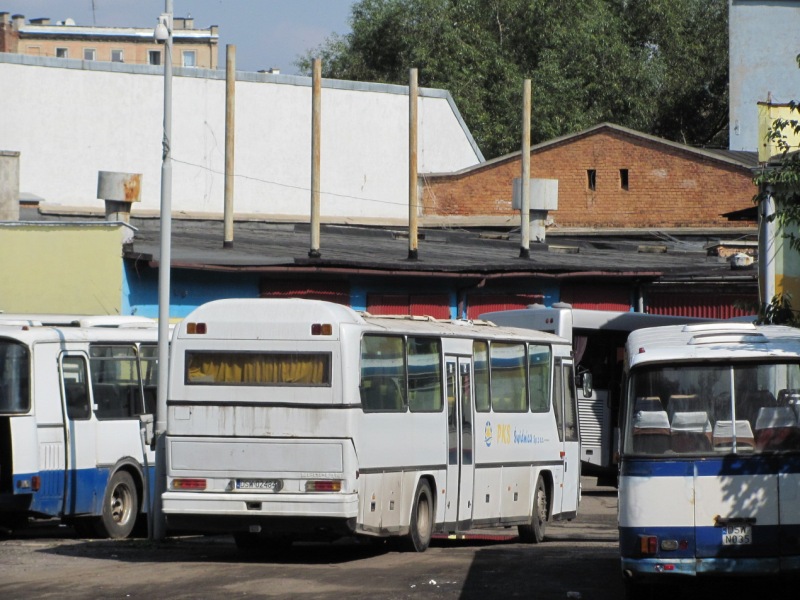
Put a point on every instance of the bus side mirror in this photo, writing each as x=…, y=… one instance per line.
x=586, y=384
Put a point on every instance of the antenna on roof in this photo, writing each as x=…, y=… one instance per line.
x=94, y=19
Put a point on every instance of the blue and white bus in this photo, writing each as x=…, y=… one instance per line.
x=77, y=397
x=710, y=458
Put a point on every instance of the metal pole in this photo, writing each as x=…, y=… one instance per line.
x=158, y=525
x=525, y=209
x=230, y=120
x=766, y=249
x=413, y=201
x=316, y=112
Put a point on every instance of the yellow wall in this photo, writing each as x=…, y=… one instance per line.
x=767, y=115
x=61, y=268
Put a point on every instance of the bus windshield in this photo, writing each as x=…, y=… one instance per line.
x=14, y=378
x=712, y=409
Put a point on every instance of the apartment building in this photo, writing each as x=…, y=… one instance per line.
x=65, y=39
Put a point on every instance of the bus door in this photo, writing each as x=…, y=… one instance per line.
x=460, y=460
x=80, y=440
x=565, y=402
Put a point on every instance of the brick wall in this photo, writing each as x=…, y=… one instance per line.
x=667, y=186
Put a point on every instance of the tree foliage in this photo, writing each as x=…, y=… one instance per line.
x=779, y=180
x=657, y=66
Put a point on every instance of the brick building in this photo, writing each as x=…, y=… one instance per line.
x=64, y=39
x=608, y=177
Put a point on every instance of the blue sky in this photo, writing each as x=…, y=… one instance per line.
x=266, y=33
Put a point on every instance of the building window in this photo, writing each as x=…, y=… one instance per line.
x=62, y=53
x=623, y=179
x=592, y=179
x=154, y=57
x=189, y=58
x=116, y=56
x=89, y=54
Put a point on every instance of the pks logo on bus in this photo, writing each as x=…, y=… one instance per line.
x=505, y=435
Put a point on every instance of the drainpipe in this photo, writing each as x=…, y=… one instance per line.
x=525, y=208
x=230, y=119
x=413, y=201
x=316, y=110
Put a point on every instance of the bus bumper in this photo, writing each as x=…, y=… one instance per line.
x=284, y=513
x=640, y=568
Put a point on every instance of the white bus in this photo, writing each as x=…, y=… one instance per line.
x=710, y=463
x=598, y=339
x=76, y=410
x=289, y=419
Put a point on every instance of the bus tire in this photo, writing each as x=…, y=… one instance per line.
x=421, y=526
x=534, y=533
x=120, y=507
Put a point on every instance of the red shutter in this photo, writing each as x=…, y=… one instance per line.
x=481, y=303
x=431, y=305
x=332, y=291
x=597, y=296
x=387, y=304
x=705, y=305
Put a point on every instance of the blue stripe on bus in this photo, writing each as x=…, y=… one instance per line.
x=629, y=544
x=86, y=490
x=728, y=465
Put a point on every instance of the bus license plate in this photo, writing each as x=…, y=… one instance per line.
x=737, y=535
x=266, y=485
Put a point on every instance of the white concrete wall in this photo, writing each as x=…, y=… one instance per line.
x=70, y=119
x=763, y=51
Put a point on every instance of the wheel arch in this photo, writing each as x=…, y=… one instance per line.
x=549, y=485
x=134, y=469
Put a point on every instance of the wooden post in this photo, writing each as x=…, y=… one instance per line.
x=413, y=201
x=316, y=110
x=230, y=120
x=525, y=208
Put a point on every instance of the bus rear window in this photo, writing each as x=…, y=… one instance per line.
x=14, y=378
x=258, y=368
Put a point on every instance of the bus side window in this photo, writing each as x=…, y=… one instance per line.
x=76, y=392
x=480, y=360
x=383, y=373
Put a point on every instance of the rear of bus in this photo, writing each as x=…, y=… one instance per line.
x=259, y=439
x=710, y=467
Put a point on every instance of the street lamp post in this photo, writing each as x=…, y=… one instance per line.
x=163, y=33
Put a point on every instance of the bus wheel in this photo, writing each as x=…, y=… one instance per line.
x=421, y=518
x=534, y=533
x=120, y=507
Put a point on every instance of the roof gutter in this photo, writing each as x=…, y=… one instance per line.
x=303, y=269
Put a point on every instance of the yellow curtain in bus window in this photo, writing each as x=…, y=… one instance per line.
x=257, y=368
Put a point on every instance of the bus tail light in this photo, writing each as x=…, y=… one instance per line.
x=648, y=544
x=188, y=484
x=196, y=328
x=36, y=483
x=324, y=485
x=321, y=329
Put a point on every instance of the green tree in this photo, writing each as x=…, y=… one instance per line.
x=780, y=181
x=658, y=66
